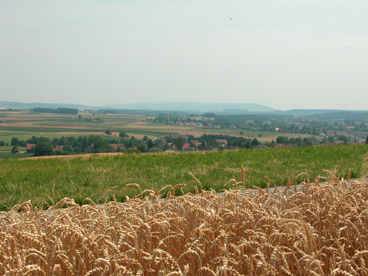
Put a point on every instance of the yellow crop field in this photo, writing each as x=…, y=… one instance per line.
x=310, y=229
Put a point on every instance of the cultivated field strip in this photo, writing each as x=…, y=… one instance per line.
x=315, y=230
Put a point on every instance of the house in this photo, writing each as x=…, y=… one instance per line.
x=283, y=145
x=199, y=124
x=195, y=143
x=178, y=123
x=186, y=123
x=192, y=123
x=216, y=127
x=222, y=142
x=163, y=143
x=260, y=147
x=185, y=146
x=207, y=148
x=118, y=146
x=59, y=147
x=30, y=146
x=170, y=122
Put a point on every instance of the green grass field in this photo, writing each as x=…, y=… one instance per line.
x=9, y=155
x=6, y=148
x=46, y=181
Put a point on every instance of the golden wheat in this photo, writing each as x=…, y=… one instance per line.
x=311, y=229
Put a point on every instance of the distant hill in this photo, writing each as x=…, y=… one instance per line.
x=316, y=111
x=20, y=105
x=199, y=108
x=195, y=107
x=220, y=108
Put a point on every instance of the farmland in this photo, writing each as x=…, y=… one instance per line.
x=318, y=230
x=25, y=124
x=46, y=181
x=94, y=225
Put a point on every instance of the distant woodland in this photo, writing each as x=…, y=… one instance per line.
x=59, y=110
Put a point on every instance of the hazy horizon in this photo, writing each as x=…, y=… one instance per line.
x=285, y=55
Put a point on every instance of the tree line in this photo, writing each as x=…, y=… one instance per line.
x=59, y=110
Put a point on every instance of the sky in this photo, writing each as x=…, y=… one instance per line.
x=285, y=54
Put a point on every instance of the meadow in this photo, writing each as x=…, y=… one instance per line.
x=100, y=178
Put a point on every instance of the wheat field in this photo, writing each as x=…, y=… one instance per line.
x=309, y=229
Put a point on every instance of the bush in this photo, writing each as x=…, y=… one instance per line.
x=15, y=150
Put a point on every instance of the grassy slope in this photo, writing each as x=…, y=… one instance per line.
x=46, y=181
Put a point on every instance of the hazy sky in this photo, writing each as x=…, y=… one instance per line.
x=284, y=54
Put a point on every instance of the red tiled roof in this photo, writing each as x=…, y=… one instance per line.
x=117, y=146
x=30, y=146
x=185, y=146
x=58, y=147
x=221, y=141
x=283, y=145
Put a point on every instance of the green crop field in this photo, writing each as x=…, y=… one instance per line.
x=46, y=181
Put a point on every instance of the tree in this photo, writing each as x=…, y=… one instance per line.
x=141, y=147
x=150, y=144
x=179, y=143
x=367, y=140
x=307, y=142
x=123, y=134
x=209, y=115
x=43, y=148
x=62, y=141
x=343, y=138
x=79, y=118
x=68, y=148
x=2, y=143
x=101, y=146
x=15, y=149
x=191, y=137
x=108, y=132
x=14, y=142
x=282, y=140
